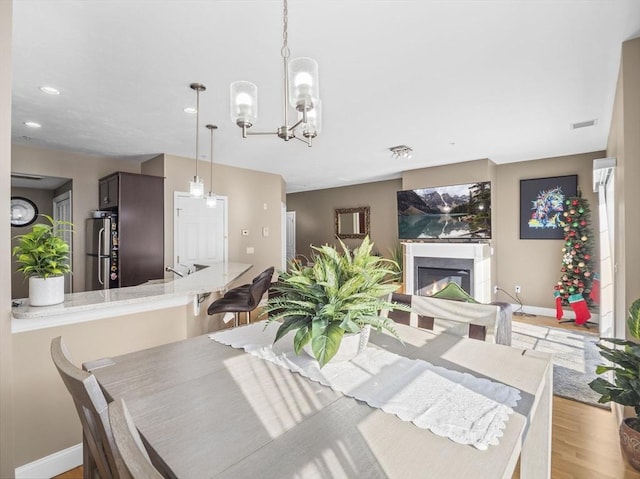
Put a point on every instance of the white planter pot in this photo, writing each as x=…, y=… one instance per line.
x=351, y=345
x=46, y=291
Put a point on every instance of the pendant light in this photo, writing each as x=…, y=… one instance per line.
x=300, y=86
x=212, y=199
x=196, y=187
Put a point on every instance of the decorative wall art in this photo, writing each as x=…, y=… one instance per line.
x=542, y=202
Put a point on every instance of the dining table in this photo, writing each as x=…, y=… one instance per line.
x=206, y=409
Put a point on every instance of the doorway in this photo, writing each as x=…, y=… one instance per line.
x=291, y=235
x=200, y=234
x=62, y=211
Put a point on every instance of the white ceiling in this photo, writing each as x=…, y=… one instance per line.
x=456, y=80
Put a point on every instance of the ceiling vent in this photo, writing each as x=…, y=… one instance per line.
x=583, y=124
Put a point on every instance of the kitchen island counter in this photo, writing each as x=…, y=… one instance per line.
x=91, y=305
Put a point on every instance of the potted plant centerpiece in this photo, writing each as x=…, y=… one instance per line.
x=625, y=390
x=43, y=256
x=333, y=301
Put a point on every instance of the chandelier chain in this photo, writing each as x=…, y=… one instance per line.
x=285, y=33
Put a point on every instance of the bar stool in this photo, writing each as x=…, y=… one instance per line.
x=240, y=302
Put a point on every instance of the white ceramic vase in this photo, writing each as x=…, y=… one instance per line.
x=46, y=291
x=351, y=345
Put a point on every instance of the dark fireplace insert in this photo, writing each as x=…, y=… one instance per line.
x=433, y=274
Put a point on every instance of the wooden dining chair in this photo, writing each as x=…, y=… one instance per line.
x=99, y=452
x=134, y=456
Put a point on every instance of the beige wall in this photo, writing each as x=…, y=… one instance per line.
x=624, y=144
x=44, y=417
x=44, y=202
x=248, y=192
x=315, y=220
x=84, y=171
x=535, y=264
x=6, y=342
x=514, y=261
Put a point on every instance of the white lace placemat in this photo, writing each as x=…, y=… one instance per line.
x=466, y=409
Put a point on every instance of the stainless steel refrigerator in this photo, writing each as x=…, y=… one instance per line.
x=102, y=245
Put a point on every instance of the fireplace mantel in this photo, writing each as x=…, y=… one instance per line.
x=480, y=253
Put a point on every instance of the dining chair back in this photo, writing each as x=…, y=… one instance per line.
x=135, y=458
x=98, y=446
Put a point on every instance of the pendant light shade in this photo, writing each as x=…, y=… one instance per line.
x=312, y=127
x=244, y=103
x=211, y=199
x=196, y=187
x=303, y=83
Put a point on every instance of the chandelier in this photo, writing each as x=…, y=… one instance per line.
x=300, y=86
x=401, y=152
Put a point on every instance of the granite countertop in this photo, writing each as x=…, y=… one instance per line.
x=148, y=296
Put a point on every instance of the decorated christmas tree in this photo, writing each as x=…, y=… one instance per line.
x=577, y=275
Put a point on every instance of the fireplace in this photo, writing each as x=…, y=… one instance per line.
x=430, y=266
x=433, y=274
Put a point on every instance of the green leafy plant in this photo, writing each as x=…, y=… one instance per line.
x=625, y=360
x=341, y=293
x=397, y=253
x=42, y=251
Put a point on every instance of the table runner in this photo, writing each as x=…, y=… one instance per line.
x=459, y=406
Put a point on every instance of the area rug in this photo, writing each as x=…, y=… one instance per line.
x=575, y=357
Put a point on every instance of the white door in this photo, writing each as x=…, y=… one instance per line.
x=291, y=235
x=62, y=212
x=200, y=233
x=608, y=326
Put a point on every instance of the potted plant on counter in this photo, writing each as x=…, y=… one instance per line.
x=335, y=302
x=625, y=390
x=43, y=256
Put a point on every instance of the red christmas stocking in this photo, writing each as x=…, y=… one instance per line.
x=559, y=311
x=595, y=289
x=579, y=306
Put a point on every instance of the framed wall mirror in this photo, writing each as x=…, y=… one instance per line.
x=352, y=222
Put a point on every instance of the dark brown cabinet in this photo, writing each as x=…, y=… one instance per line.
x=108, y=192
x=138, y=203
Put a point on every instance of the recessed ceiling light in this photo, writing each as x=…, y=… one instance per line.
x=49, y=90
x=32, y=124
x=190, y=110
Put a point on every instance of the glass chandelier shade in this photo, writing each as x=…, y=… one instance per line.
x=244, y=103
x=312, y=127
x=303, y=83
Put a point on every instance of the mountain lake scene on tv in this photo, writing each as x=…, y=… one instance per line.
x=446, y=212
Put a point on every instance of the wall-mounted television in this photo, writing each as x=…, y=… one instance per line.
x=445, y=212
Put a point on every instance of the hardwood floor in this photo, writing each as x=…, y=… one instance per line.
x=585, y=442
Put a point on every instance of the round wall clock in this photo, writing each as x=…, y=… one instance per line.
x=23, y=211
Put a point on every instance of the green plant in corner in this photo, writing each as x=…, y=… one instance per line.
x=625, y=368
x=397, y=257
x=341, y=293
x=42, y=251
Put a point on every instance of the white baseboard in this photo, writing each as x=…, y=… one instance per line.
x=551, y=312
x=52, y=465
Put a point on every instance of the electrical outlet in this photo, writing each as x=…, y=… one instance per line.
x=495, y=289
x=518, y=289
